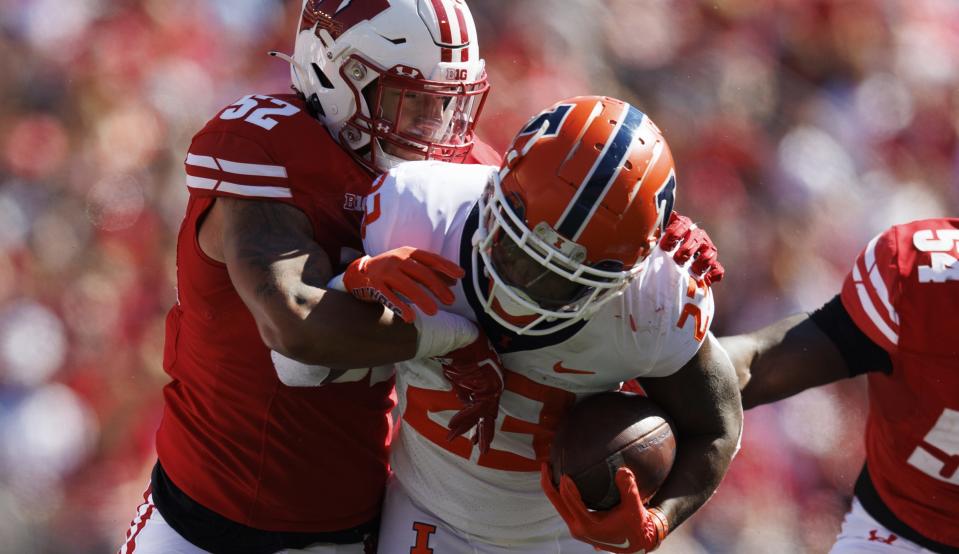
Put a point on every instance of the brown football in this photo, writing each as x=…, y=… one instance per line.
x=606, y=431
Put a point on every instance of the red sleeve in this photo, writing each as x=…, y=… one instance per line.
x=870, y=291
x=224, y=164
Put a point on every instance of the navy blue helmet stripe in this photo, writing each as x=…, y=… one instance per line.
x=603, y=173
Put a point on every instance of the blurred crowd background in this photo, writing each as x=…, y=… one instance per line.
x=800, y=128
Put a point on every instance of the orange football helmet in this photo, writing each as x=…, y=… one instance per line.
x=580, y=201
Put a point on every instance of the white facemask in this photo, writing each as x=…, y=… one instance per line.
x=507, y=302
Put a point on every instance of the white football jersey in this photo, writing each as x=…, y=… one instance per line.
x=651, y=330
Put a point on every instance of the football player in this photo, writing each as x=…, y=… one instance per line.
x=565, y=276
x=894, y=322
x=247, y=463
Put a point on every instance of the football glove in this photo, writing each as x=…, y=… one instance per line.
x=695, y=244
x=397, y=278
x=476, y=374
x=626, y=528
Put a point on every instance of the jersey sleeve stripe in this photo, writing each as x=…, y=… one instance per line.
x=255, y=190
x=200, y=182
x=257, y=170
x=260, y=191
x=875, y=277
x=869, y=307
x=201, y=161
x=237, y=168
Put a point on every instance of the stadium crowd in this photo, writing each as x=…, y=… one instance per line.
x=800, y=129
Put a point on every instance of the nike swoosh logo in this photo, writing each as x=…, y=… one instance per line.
x=558, y=368
x=624, y=544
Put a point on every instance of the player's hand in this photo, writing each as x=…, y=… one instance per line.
x=400, y=275
x=628, y=527
x=695, y=244
x=476, y=373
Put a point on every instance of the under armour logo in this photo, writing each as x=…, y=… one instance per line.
x=383, y=126
x=407, y=71
x=874, y=536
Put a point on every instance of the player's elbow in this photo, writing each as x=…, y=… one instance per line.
x=291, y=339
x=306, y=341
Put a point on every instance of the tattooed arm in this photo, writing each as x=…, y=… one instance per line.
x=280, y=273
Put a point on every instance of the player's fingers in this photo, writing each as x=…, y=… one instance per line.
x=704, y=260
x=689, y=247
x=546, y=482
x=556, y=498
x=463, y=420
x=410, y=289
x=573, y=500
x=439, y=264
x=485, y=434
x=715, y=274
x=628, y=490
x=677, y=228
x=399, y=307
x=426, y=277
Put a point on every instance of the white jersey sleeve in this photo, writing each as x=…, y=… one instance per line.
x=418, y=203
x=668, y=314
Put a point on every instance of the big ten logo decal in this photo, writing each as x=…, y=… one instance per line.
x=456, y=74
x=529, y=414
x=691, y=310
x=264, y=109
x=938, y=454
x=943, y=248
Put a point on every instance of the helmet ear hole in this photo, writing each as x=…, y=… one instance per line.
x=369, y=94
x=324, y=80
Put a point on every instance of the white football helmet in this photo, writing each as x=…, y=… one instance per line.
x=392, y=80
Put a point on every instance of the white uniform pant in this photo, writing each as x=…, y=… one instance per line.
x=149, y=533
x=406, y=528
x=862, y=534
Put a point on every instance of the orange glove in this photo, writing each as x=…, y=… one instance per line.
x=476, y=374
x=695, y=243
x=401, y=274
x=627, y=528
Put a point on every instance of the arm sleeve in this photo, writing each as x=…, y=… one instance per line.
x=860, y=353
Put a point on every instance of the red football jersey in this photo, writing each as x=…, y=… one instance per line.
x=233, y=437
x=903, y=292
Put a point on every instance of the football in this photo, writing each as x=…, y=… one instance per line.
x=606, y=431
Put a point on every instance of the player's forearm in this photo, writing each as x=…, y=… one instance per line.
x=789, y=357
x=703, y=400
x=335, y=330
x=701, y=462
x=303, y=321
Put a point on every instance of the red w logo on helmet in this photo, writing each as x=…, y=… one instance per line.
x=336, y=16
